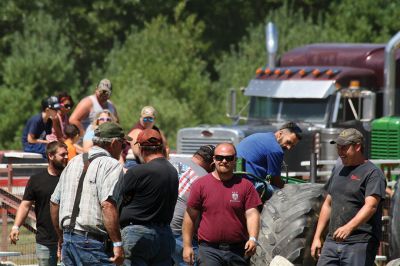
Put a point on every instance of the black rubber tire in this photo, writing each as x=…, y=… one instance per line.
x=394, y=240
x=288, y=222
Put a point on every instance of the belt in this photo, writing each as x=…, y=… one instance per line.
x=145, y=223
x=238, y=247
x=90, y=235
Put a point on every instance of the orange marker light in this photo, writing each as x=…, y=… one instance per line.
x=259, y=71
x=316, y=72
x=268, y=71
x=302, y=72
x=288, y=72
x=277, y=71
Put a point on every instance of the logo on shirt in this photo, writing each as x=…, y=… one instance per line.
x=354, y=177
x=235, y=197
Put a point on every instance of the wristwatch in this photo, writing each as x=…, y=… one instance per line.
x=252, y=238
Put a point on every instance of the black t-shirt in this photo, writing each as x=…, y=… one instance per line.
x=348, y=187
x=149, y=193
x=39, y=189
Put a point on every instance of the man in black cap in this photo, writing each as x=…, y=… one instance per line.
x=149, y=192
x=83, y=209
x=39, y=126
x=263, y=155
x=189, y=170
x=352, y=208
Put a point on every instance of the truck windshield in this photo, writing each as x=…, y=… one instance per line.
x=285, y=109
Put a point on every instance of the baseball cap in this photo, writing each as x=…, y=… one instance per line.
x=110, y=130
x=348, y=136
x=149, y=137
x=148, y=111
x=104, y=85
x=51, y=102
x=206, y=152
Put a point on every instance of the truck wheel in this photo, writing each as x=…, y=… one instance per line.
x=394, y=244
x=288, y=222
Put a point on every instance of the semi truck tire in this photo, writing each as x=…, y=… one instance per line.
x=288, y=222
x=394, y=244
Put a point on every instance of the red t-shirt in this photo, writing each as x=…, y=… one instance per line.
x=223, y=206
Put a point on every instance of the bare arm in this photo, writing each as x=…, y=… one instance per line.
x=33, y=140
x=253, y=227
x=111, y=223
x=363, y=215
x=189, y=221
x=54, y=213
x=20, y=217
x=81, y=112
x=323, y=221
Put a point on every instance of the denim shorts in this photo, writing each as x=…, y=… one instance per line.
x=46, y=254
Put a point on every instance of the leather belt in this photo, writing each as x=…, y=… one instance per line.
x=235, y=247
x=90, y=235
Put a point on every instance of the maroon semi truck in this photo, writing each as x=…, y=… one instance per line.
x=324, y=88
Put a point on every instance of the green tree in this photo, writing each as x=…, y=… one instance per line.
x=39, y=65
x=160, y=66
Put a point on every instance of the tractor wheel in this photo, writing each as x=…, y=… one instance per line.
x=394, y=263
x=288, y=222
x=394, y=244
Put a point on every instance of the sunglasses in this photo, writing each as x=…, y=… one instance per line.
x=228, y=158
x=148, y=119
x=104, y=92
x=104, y=119
x=67, y=106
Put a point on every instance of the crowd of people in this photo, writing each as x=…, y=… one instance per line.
x=95, y=206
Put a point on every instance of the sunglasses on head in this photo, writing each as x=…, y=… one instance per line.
x=228, y=158
x=104, y=119
x=148, y=119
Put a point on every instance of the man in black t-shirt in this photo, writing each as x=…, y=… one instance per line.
x=149, y=192
x=38, y=192
x=353, y=207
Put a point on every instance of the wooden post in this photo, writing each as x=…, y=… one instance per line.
x=4, y=231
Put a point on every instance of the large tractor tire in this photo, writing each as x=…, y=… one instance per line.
x=288, y=222
x=394, y=244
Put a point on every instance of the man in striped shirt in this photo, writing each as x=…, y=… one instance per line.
x=189, y=170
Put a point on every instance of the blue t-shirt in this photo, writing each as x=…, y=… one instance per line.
x=263, y=154
x=37, y=128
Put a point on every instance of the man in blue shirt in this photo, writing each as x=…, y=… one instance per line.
x=39, y=125
x=263, y=154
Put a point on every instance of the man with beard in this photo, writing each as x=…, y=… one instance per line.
x=230, y=219
x=38, y=192
x=263, y=155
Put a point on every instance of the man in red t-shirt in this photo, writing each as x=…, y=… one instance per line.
x=230, y=220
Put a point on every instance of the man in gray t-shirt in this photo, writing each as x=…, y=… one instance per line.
x=189, y=170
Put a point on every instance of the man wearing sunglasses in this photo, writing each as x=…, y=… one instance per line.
x=263, y=155
x=230, y=219
x=86, y=110
x=352, y=207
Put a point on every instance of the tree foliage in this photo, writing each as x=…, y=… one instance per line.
x=38, y=66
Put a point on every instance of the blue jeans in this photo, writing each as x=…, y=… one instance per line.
x=339, y=254
x=79, y=250
x=46, y=254
x=177, y=255
x=148, y=245
x=209, y=256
